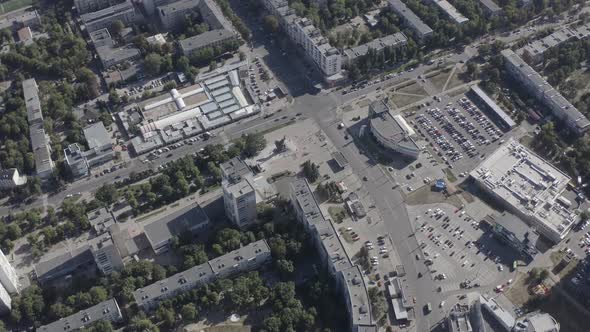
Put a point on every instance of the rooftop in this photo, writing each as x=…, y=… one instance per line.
x=378, y=44
x=511, y=223
x=392, y=127
x=63, y=264
x=408, y=15
x=7, y=174
x=181, y=5
x=234, y=169
x=174, y=224
x=229, y=261
x=204, y=39
x=537, y=322
x=107, y=310
x=527, y=183
x=358, y=296
x=106, y=12
x=115, y=55
x=97, y=136
x=32, y=102
x=100, y=219
x=459, y=319
x=41, y=150
x=490, y=6
x=451, y=11
x=493, y=106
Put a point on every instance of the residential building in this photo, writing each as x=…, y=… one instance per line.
x=173, y=15
x=349, y=278
x=515, y=233
x=104, y=18
x=17, y=20
x=421, y=29
x=100, y=147
x=40, y=142
x=493, y=109
x=490, y=8
x=106, y=255
x=8, y=276
x=25, y=36
x=393, y=41
x=392, y=131
x=529, y=187
x=239, y=196
x=5, y=301
x=536, y=85
x=450, y=10
x=213, y=16
x=212, y=38
x=86, y=6
x=10, y=178
x=241, y=260
x=107, y=310
x=535, y=50
x=100, y=220
x=60, y=266
x=109, y=54
x=185, y=221
x=327, y=58
x=76, y=161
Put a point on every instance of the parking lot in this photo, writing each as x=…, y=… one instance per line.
x=459, y=253
x=458, y=133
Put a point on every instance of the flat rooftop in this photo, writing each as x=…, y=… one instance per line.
x=491, y=104
x=358, y=296
x=527, y=183
x=174, y=224
x=392, y=127
x=393, y=40
x=451, y=11
x=234, y=169
x=410, y=17
x=97, y=136
x=106, y=310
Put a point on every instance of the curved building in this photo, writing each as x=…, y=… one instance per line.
x=392, y=131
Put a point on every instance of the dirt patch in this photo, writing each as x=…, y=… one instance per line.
x=458, y=91
x=455, y=80
x=408, y=94
x=439, y=79
x=425, y=195
x=450, y=175
x=338, y=213
x=364, y=103
x=518, y=292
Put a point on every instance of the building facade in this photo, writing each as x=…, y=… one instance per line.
x=76, y=161
x=5, y=301
x=10, y=178
x=239, y=196
x=8, y=276
x=106, y=256
x=104, y=18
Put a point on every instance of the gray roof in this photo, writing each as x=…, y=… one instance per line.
x=32, y=102
x=101, y=37
x=358, y=296
x=213, y=16
x=521, y=231
x=228, y=262
x=97, y=136
x=115, y=55
x=408, y=15
x=63, y=264
x=7, y=174
x=389, y=128
x=100, y=219
x=175, y=224
x=542, y=90
x=307, y=202
x=490, y=6
x=205, y=39
x=107, y=310
x=493, y=106
x=234, y=169
x=182, y=5
x=107, y=12
x=73, y=153
x=393, y=40
x=451, y=11
x=41, y=150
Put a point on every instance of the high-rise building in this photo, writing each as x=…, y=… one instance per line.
x=8, y=276
x=239, y=196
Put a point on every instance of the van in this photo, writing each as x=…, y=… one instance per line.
x=428, y=307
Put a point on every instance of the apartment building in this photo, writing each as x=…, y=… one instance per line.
x=8, y=276
x=538, y=87
x=10, y=178
x=107, y=310
x=393, y=41
x=412, y=21
x=239, y=196
x=104, y=18
x=40, y=142
x=245, y=259
x=86, y=6
x=75, y=160
x=5, y=301
x=212, y=38
x=100, y=146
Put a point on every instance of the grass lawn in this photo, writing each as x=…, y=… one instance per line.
x=439, y=79
x=450, y=176
x=11, y=5
x=338, y=213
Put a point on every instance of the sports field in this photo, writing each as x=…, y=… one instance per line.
x=10, y=5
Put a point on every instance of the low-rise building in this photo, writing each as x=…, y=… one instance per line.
x=239, y=196
x=515, y=233
x=493, y=109
x=536, y=322
x=450, y=10
x=458, y=319
x=100, y=220
x=536, y=49
x=212, y=38
x=490, y=8
x=76, y=161
x=59, y=266
x=393, y=41
x=538, y=87
x=161, y=232
x=106, y=254
x=17, y=20
x=104, y=18
x=25, y=36
x=86, y=6
x=10, y=178
x=529, y=187
x=241, y=260
x=109, y=54
x=100, y=147
x=107, y=310
x=392, y=131
x=420, y=29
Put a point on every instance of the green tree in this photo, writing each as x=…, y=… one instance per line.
x=166, y=316
x=152, y=64
x=189, y=312
x=253, y=143
x=117, y=27
x=271, y=23
x=107, y=194
x=311, y=171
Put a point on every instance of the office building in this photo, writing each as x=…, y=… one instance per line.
x=109, y=54
x=185, y=221
x=76, y=161
x=514, y=232
x=107, y=310
x=529, y=187
x=420, y=29
x=348, y=277
x=59, y=266
x=393, y=41
x=100, y=147
x=8, y=276
x=40, y=143
x=10, y=178
x=86, y=6
x=492, y=108
x=244, y=259
x=490, y=8
x=104, y=18
x=536, y=85
x=450, y=10
x=17, y=20
x=5, y=301
x=212, y=38
x=239, y=196
x=391, y=130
